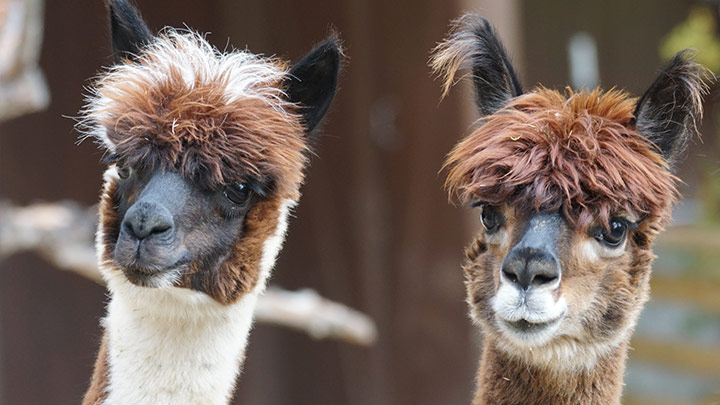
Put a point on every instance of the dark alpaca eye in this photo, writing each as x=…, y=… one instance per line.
x=614, y=235
x=122, y=171
x=237, y=192
x=491, y=218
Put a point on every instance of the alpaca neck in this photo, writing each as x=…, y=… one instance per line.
x=174, y=349
x=504, y=379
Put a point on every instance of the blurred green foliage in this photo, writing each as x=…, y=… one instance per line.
x=700, y=32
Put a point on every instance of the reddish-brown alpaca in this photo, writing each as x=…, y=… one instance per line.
x=572, y=189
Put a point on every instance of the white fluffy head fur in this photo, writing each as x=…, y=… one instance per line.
x=244, y=74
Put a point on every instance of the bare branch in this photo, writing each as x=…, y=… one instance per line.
x=63, y=234
x=321, y=318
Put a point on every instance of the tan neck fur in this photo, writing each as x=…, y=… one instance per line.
x=503, y=379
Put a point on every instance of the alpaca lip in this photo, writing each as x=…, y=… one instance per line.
x=526, y=327
x=149, y=276
x=146, y=258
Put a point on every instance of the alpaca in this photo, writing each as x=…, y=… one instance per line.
x=572, y=189
x=206, y=154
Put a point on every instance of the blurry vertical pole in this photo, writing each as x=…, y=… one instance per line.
x=583, y=61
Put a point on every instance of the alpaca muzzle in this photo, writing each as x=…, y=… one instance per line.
x=533, y=262
x=525, y=305
x=148, y=244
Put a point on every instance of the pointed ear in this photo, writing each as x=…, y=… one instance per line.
x=473, y=43
x=669, y=111
x=312, y=82
x=128, y=31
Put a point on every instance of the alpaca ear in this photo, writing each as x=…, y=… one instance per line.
x=128, y=31
x=669, y=111
x=473, y=43
x=312, y=82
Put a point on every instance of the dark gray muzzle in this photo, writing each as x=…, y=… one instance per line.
x=533, y=261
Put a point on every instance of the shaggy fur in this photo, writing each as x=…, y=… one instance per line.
x=577, y=153
x=517, y=383
x=586, y=159
x=214, y=118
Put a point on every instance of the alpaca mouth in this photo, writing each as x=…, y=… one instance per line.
x=523, y=326
x=153, y=276
x=524, y=332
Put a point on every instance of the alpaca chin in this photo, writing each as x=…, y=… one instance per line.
x=164, y=278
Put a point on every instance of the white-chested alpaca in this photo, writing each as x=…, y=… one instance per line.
x=206, y=154
x=572, y=189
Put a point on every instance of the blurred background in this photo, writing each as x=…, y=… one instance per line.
x=374, y=229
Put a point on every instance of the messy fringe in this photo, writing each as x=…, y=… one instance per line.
x=575, y=152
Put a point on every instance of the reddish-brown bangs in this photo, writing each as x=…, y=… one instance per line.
x=577, y=153
x=199, y=132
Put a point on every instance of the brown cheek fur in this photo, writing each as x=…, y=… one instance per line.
x=240, y=272
x=479, y=280
x=482, y=270
x=109, y=222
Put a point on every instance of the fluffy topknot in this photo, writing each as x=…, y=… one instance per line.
x=578, y=153
x=214, y=117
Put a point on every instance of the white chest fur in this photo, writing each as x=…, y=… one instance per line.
x=190, y=356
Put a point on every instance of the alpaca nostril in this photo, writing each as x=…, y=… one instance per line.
x=147, y=220
x=526, y=267
x=510, y=276
x=142, y=230
x=541, y=279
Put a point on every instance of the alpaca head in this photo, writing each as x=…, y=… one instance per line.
x=571, y=189
x=206, y=153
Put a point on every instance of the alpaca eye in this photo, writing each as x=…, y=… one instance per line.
x=491, y=218
x=122, y=171
x=238, y=193
x=614, y=235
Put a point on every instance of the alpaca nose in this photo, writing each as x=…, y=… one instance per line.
x=147, y=219
x=527, y=266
